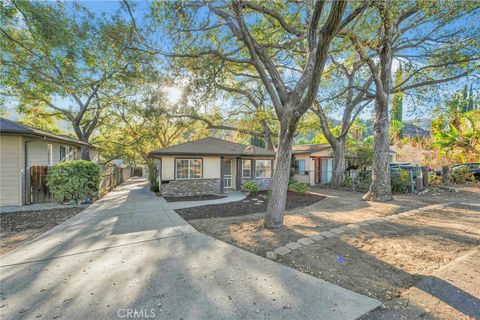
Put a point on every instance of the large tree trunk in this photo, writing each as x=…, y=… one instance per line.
x=338, y=175
x=281, y=176
x=380, y=189
x=85, y=152
x=267, y=134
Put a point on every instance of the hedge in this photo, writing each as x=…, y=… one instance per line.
x=74, y=180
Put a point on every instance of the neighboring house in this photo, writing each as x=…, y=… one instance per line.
x=22, y=147
x=211, y=166
x=313, y=163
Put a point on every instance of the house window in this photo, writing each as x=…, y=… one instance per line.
x=68, y=154
x=50, y=154
x=263, y=168
x=65, y=153
x=246, y=168
x=300, y=166
x=62, y=154
x=188, y=169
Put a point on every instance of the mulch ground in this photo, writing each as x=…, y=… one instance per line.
x=18, y=227
x=252, y=204
x=194, y=198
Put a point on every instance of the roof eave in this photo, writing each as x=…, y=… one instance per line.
x=45, y=137
x=193, y=154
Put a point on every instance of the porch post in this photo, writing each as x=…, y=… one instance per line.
x=221, y=175
x=239, y=173
x=252, y=170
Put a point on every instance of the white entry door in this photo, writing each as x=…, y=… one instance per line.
x=227, y=173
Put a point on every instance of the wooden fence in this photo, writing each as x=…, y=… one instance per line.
x=37, y=190
x=113, y=176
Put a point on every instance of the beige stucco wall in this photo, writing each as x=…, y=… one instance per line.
x=11, y=164
x=309, y=167
x=37, y=152
x=94, y=155
x=323, y=153
x=211, y=167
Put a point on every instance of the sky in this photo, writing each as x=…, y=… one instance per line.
x=141, y=8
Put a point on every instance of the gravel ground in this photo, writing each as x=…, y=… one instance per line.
x=18, y=227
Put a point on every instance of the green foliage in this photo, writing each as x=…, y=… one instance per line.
x=456, y=132
x=61, y=61
x=38, y=116
x=298, y=187
x=257, y=141
x=359, y=155
x=397, y=101
x=461, y=175
x=154, y=187
x=144, y=123
x=74, y=180
x=152, y=172
x=251, y=187
x=395, y=130
x=362, y=182
x=434, y=180
x=400, y=181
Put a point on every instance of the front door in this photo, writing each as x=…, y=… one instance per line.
x=227, y=173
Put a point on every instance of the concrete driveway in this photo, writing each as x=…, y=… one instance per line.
x=131, y=256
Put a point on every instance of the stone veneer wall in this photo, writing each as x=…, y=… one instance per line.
x=192, y=187
x=263, y=183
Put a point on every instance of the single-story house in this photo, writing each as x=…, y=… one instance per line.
x=313, y=163
x=22, y=147
x=211, y=166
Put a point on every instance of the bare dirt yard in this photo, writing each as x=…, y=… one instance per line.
x=20, y=226
x=425, y=265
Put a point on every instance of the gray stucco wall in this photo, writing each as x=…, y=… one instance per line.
x=191, y=187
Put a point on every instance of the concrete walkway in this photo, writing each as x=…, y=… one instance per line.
x=130, y=252
x=231, y=196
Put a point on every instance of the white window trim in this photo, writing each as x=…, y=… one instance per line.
x=68, y=151
x=250, y=174
x=188, y=168
x=256, y=171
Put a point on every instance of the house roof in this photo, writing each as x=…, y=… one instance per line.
x=13, y=127
x=213, y=147
x=309, y=148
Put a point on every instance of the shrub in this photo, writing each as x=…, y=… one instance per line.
x=74, y=180
x=347, y=183
x=460, y=176
x=434, y=180
x=251, y=186
x=154, y=187
x=362, y=182
x=298, y=187
x=400, y=181
x=152, y=172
